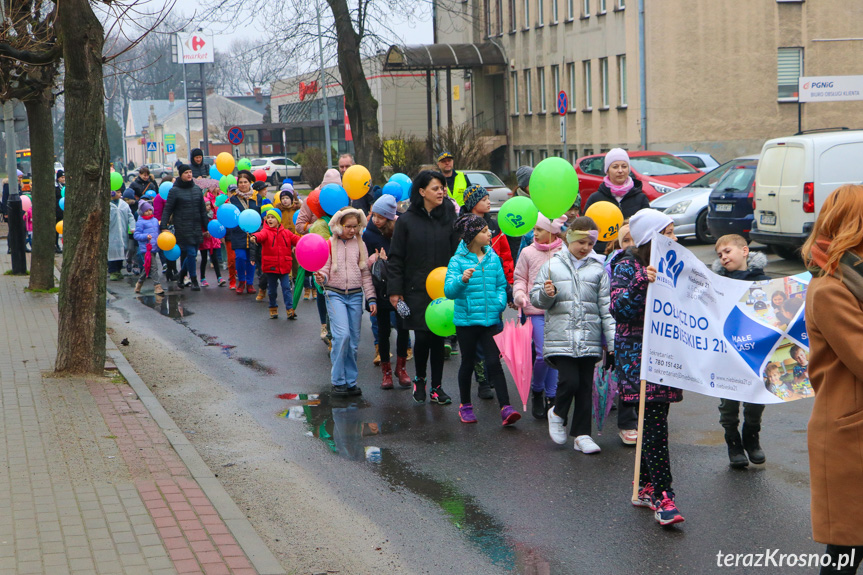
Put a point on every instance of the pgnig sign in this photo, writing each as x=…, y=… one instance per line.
x=830, y=88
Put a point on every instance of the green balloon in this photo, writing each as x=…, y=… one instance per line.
x=517, y=216
x=221, y=200
x=553, y=186
x=116, y=181
x=244, y=164
x=439, y=317
x=226, y=181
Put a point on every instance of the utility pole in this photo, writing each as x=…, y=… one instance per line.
x=324, y=91
x=14, y=211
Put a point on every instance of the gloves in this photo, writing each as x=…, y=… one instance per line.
x=609, y=361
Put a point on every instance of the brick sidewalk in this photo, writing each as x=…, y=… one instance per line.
x=89, y=481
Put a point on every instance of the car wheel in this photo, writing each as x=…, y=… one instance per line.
x=786, y=252
x=702, y=232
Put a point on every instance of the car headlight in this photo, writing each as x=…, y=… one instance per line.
x=662, y=189
x=678, y=208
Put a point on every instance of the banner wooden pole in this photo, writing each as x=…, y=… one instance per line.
x=639, y=441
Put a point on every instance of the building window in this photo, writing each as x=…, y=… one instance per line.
x=540, y=13
x=570, y=10
x=554, y=11
x=555, y=81
x=603, y=79
x=527, y=92
x=512, y=11
x=573, y=156
x=571, y=70
x=588, y=152
x=585, y=9
x=540, y=79
x=602, y=6
x=588, y=97
x=558, y=153
x=487, y=18
x=526, y=14
x=621, y=4
x=621, y=74
x=529, y=154
x=499, y=4
x=543, y=154
x=514, y=81
x=790, y=68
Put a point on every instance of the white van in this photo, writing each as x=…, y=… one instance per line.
x=794, y=177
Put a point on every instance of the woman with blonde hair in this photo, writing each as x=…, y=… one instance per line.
x=834, y=322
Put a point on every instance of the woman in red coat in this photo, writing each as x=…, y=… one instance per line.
x=277, y=244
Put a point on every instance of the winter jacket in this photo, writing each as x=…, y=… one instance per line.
x=628, y=301
x=140, y=186
x=577, y=316
x=347, y=267
x=143, y=228
x=121, y=224
x=634, y=200
x=500, y=244
x=421, y=242
x=481, y=300
x=375, y=240
x=185, y=209
x=201, y=170
x=239, y=238
x=754, y=272
x=530, y=261
x=58, y=195
x=276, y=249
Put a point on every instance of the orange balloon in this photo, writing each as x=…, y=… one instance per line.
x=225, y=163
x=314, y=203
x=435, y=282
x=59, y=227
x=608, y=218
x=357, y=181
x=166, y=241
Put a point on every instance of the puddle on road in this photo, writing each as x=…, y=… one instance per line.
x=342, y=426
x=169, y=305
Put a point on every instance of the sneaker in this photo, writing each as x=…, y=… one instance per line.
x=485, y=392
x=556, y=430
x=509, y=415
x=241, y=288
x=586, y=444
x=341, y=390
x=221, y=282
x=232, y=284
x=251, y=289
x=454, y=346
x=439, y=396
x=628, y=436
x=465, y=413
x=419, y=390
x=354, y=390
x=665, y=510
x=188, y=282
x=205, y=283
x=447, y=350
x=645, y=497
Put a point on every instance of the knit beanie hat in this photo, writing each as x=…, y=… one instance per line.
x=645, y=222
x=385, y=206
x=473, y=195
x=287, y=187
x=184, y=168
x=469, y=226
x=274, y=211
x=553, y=227
x=522, y=176
x=615, y=155
x=331, y=176
x=129, y=194
x=144, y=206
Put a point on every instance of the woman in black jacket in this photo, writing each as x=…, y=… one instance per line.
x=245, y=199
x=200, y=169
x=185, y=204
x=423, y=239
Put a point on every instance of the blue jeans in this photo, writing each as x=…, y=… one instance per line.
x=544, y=376
x=287, y=289
x=346, y=314
x=245, y=268
x=189, y=253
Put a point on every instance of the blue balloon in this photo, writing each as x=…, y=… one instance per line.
x=150, y=194
x=333, y=198
x=164, y=188
x=63, y=192
x=250, y=221
x=394, y=189
x=216, y=229
x=63, y=203
x=228, y=215
x=296, y=214
x=173, y=254
x=214, y=173
x=405, y=182
x=288, y=181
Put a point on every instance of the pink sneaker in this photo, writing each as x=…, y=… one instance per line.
x=509, y=415
x=205, y=283
x=465, y=413
x=645, y=497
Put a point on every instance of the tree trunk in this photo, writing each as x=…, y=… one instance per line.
x=81, y=338
x=361, y=105
x=44, y=202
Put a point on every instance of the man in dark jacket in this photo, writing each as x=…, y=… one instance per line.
x=142, y=183
x=185, y=204
x=200, y=169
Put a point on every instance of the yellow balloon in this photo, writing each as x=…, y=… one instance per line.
x=277, y=199
x=357, y=181
x=166, y=241
x=608, y=218
x=225, y=163
x=434, y=283
x=59, y=227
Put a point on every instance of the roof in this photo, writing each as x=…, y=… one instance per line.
x=140, y=111
x=251, y=103
x=441, y=56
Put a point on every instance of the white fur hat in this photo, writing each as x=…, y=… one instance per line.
x=645, y=222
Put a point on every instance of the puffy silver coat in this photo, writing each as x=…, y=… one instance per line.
x=577, y=316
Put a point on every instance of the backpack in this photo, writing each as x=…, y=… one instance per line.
x=379, y=278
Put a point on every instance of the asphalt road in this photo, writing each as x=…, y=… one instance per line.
x=517, y=501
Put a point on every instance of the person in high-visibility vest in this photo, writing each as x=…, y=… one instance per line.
x=456, y=182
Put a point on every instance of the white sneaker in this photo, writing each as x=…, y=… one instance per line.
x=556, y=430
x=585, y=444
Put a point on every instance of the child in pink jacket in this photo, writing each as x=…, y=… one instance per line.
x=345, y=278
x=546, y=243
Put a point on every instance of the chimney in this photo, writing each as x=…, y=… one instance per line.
x=258, y=96
x=171, y=96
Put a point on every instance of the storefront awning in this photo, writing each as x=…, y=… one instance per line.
x=443, y=56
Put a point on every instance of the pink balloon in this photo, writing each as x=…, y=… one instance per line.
x=26, y=204
x=312, y=252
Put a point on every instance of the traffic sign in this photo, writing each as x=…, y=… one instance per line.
x=562, y=103
x=170, y=148
x=170, y=138
x=236, y=135
x=151, y=147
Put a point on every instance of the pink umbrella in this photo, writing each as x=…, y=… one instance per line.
x=514, y=343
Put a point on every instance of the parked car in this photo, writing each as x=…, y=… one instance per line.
x=688, y=206
x=659, y=173
x=702, y=161
x=794, y=177
x=277, y=168
x=731, y=201
x=498, y=193
x=158, y=171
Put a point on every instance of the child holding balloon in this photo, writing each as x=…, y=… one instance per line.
x=146, y=234
x=211, y=246
x=245, y=199
x=276, y=244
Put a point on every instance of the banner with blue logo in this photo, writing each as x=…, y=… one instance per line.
x=726, y=338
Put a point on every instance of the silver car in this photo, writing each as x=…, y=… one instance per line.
x=688, y=206
x=498, y=193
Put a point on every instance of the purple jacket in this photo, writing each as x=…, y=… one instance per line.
x=143, y=228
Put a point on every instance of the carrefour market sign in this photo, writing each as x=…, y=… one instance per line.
x=830, y=88
x=196, y=48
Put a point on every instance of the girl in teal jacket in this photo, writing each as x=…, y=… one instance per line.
x=475, y=280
